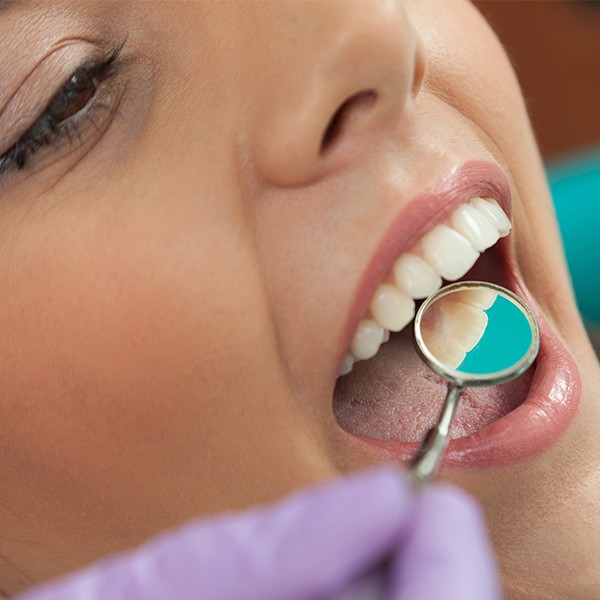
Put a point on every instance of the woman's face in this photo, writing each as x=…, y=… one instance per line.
x=190, y=235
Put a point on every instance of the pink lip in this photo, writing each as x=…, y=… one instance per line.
x=555, y=393
x=550, y=406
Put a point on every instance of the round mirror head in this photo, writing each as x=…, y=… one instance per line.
x=476, y=333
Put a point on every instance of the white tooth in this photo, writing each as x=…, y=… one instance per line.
x=474, y=226
x=447, y=351
x=493, y=210
x=347, y=365
x=415, y=277
x=466, y=323
x=386, y=336
x=367, y=339
x=391, y=308
x=448, y=252
x=480, y=298
x=452, y=328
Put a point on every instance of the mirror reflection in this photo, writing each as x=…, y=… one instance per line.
x=477, y=331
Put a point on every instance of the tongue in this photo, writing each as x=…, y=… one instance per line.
x=395, y=396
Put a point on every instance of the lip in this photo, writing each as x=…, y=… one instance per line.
x=551, y=404
x=466, y=181
x=555, y=392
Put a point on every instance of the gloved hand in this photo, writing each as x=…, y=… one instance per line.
x=364, y=537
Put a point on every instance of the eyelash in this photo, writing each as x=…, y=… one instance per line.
x=50, y=128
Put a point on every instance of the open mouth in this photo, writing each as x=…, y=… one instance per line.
x=386, y=396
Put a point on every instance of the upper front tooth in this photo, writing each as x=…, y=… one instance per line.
x=367, y=339
x=415, y=277
x=493, y=210
x=474, y=226
x=448, y=252
x=391, y=308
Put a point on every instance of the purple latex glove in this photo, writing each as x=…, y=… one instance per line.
x=364, y=537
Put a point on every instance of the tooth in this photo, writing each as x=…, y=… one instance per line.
x=448, y=252
x=493, y=210
x=467, y=323
x=452, y=328
x=367, y=339
x=347, y=365
x=475, y=227
x=415, y=277
x=446, y=351
x=481, y=298
x=391, y=308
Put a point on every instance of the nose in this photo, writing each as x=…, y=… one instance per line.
x=337, y=80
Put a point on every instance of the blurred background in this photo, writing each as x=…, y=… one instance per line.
x=555, y=49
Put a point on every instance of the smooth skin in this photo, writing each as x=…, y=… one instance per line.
x=175, y=283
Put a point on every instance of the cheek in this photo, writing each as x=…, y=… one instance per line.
x=469, y=69
x=117, y=330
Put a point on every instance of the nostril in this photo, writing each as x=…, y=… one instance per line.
x=351, y=110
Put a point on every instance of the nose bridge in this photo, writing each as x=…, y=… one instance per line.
x=342, y=66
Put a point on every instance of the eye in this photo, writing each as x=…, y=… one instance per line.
x=72, y=108
x=74, y=97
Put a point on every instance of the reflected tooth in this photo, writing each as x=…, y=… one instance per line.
x=367, y=339
x=452, y=328
x=448, y=252
x=445, y=349
x=468, y=323
x=391, y=308
x=492, y=209
x=481, y=298
x=347, y=365
x=475, y=227
x=415, y=277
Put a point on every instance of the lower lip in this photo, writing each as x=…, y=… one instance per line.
x=550, y=406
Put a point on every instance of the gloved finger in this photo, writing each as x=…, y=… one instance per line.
x=447, y=553
x=311, y=545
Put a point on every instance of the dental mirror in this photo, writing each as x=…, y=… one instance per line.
x=472, y=333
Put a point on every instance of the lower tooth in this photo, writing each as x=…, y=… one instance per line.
x=448, y=252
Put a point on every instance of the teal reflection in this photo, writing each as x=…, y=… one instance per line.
x=506, y=341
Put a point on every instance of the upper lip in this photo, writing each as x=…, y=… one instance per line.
x=465, y=181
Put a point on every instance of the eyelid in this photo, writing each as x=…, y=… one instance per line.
x=29, y=154
x=47, y=79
